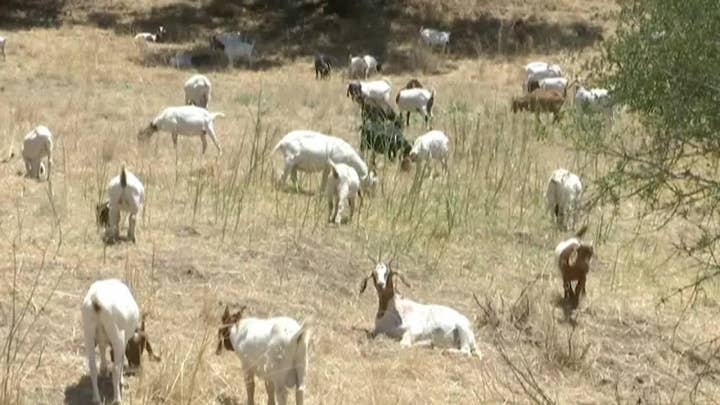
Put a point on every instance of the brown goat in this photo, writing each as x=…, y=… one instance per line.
x=540, y=100
x=574, y=264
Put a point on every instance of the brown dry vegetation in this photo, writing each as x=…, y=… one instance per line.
x=214, y=231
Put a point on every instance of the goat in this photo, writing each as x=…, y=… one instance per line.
x=573, y=258
x=343, y=188
x=111, y=317
x=234, y=46
x=363, y=66
x=309, y=151
x=197, y=91
x=563, y=193
x=157, y=36
x=381, y=132
x=536, y=71
x=37, y=145
x=414, y=323
x=375, y=92
x=274, y=349
x=416, y=99
x=184, y=120
x=3, y=41
x=125, y=193
x=594, y=98
x=559, y=84
x=538, y=101
x=433, y=37
x=430, y=146
x=323, y=65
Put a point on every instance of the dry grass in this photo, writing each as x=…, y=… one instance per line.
x=215, y=231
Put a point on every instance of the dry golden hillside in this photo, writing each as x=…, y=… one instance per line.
x=215, y=231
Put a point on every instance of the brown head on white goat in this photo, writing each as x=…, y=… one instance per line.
x=228, y=320
x=383, y=278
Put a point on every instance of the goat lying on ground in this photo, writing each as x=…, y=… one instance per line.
x=573, y=258
x=414, y=323
x=274, y=349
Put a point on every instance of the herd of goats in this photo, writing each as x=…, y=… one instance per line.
x=275, y=349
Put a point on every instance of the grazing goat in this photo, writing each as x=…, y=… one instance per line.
x=416, y=100
x=234, y=46
x=197, y=91
x=274, y=349
x=573, y=258
x=593, y=99
x=343, y=188
x=125, y=193
x=559, y=84
x=536, y=71
x=323, y=65
x=111, y=317
x=185, y=120
x=382, y=133
x=540, y=101
x=3, y=41
x=309, y=151
x=433, y=37
x=37, y=145
x=363, y=66
x=414, y=323
x=430, y=146
x=562, y=196
x=375, y=92
x=157, y=36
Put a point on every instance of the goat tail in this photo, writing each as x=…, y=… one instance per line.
x=579, y=234
x=215, y=115
x=123, y=177
x=431, y=101
x=95, y=304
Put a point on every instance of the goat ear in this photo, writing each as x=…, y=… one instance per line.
x=363, y=284
x=402, y=278
x=226, y=313
x=241, y=311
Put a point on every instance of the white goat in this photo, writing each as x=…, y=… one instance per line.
x=343, y=187
x=433, y=37
x=309, y=151
x=274, y=349
x=416, y=100
x=111, y=317
x=559, y=84
x=536, y=71
x=414, y=323
x=3, y=41
x=375, y=92
x=430, y=146
x=594, y=98
x=234, y=46
x=363, y=66
x=197, y=91
x=562, y=196
x=37, y=144
x=125, y=193
x=185, y=120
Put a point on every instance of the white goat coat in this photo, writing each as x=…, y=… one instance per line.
x=37, y=145
x=412, y=322
x=431, y=145
x=197, y=91
x=594, y=98
x=434, y=37
x=128, y=199
x=188, y=120
x=414, y=100
x=269, y=348
x=357, y=67
x=536, y=71
x=554, y=83
x=114, y=323
x=562, y=196
x=342, y=191
x=377, y=92
x=236, y=47
x=309, y=151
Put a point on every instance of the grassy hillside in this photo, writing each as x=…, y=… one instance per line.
x=215, y=231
